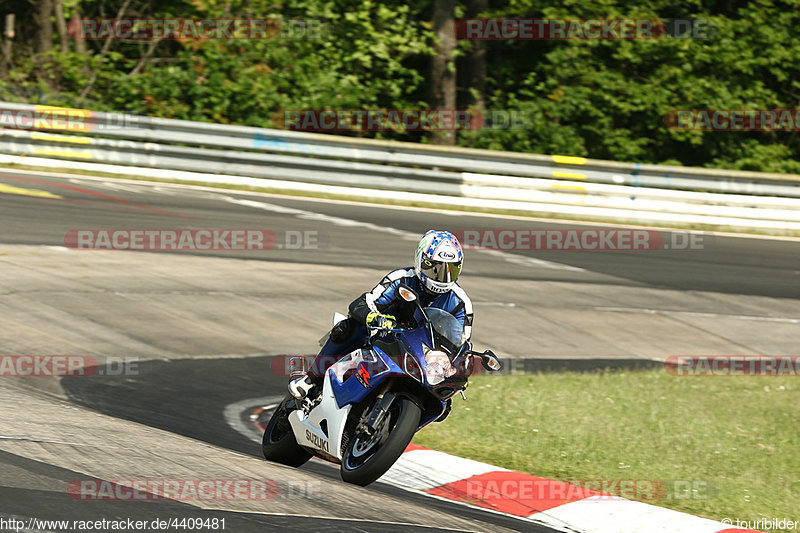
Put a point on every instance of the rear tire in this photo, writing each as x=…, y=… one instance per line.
x=365, y=461
x=279, y=444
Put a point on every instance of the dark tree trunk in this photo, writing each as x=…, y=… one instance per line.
x=7, y=40
x=443, y=68
x=61, y=24
x=43, y=39
x=75, y=32
x=476, y=60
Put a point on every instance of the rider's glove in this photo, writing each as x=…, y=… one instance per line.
x=381, y=321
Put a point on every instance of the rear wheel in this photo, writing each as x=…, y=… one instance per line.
x=279, y=444
x=367, y=458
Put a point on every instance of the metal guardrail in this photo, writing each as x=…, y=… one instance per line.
x=363, y=167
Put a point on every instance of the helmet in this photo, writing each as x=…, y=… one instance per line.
x=438, y=260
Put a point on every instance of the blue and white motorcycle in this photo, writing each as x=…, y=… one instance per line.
x=374, y=399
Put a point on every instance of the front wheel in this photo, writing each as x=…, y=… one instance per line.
x=368, y=458
x=279, y=444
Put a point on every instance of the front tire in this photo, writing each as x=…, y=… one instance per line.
x=365, y=460
x=279, y=444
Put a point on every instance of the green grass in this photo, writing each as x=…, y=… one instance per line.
x=738, y=435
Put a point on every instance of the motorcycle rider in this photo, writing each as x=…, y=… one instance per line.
x=437, y=265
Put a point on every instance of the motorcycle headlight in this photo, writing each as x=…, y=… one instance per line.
x=438, y=366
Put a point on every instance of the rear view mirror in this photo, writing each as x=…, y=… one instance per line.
x=490, y=361
x=406, y=293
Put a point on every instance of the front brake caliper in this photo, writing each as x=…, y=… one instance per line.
x=377, y=415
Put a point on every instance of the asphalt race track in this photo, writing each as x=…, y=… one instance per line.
x=178, y=396
x=726, y=264
x=200, y=328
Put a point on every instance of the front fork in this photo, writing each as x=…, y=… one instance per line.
x=378, y=413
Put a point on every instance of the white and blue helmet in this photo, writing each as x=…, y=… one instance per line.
x=438, y=260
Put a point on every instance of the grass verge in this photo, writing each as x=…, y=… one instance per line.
x=737, y=439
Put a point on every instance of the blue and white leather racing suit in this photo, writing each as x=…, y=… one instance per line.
x=381, y=299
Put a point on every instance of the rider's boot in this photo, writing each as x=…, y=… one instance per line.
x=300, y=387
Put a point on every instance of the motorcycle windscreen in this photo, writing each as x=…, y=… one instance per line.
x=449, y=332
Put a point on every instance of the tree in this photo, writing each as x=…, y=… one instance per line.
x=443, y=68
x=43, y=39
x=476, y=60
x=604, y=99
x=61, y=24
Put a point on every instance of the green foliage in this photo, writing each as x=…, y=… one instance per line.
x=360, y=60
x=608, y=99
x=600, y=99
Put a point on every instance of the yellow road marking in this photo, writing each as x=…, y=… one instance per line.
x=575, y=187
x=56, y=138
x=569, y=175
x=569, y=160
x=62, y=153
x=62, y=118
x=10, y=189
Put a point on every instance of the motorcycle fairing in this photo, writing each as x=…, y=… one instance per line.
x=379, y=367
x=327, y=410
x=349, y=389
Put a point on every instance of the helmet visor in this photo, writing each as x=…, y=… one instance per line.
x=441, y=271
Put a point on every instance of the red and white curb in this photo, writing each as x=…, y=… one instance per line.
x=554, y=504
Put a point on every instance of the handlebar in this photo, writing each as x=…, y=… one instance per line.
x=391, y=330
x=489, y=360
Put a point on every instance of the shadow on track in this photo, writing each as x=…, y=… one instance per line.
x=189, y=396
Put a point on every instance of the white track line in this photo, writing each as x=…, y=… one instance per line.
x=605, y=515
x=161, y=185
x=407, y=235
x=233, y=413
x=697, y=314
